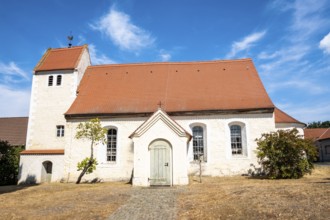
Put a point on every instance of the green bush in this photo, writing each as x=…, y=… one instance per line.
x=9, y=163
x=284, y=154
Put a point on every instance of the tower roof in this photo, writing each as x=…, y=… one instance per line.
x=60, y=59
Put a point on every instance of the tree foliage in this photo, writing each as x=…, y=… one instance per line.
x=9, y=163
x=284, y=154
x=93, y=131
x=319, y=124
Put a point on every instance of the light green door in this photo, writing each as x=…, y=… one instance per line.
x=160, y=164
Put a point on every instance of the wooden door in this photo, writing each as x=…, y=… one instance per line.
x=160, y=164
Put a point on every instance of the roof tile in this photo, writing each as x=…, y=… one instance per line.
x=60, y=59
x=186, y=86
x=14, y=130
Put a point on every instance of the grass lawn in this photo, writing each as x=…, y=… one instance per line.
x=215, y=198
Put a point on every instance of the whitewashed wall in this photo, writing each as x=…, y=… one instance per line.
x=219, y=159
x=31, y=168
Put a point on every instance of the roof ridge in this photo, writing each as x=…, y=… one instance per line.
x=174, y=62
x=324, y=133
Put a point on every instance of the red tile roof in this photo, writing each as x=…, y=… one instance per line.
x=282, y=117
x=317, y=133
x=180, y=87
x=60, y=59
x=14, y=130
x=42, y=151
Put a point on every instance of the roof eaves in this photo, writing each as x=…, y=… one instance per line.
x=42, y=60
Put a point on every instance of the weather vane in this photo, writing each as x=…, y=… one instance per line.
x=70, y=38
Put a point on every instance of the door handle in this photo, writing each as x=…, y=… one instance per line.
x=166, y=164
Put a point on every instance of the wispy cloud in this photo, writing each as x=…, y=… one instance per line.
x=325, y=44
x=164, y=55
x=12, y=70
x=307, y=112
x=16, y=99
x=305, y=86
x=98, y=58
x=246, y=43
x=120, y=29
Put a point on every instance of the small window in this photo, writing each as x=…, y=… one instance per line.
x=59, y=80
x=236, y=140
x=327, y=149
x=198, y=142
x=112, y=145
x=60, y=130
x=50, y=80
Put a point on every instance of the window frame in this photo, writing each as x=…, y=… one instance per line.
x=203, y=141
x=59, y=80
x=60, y=130
x=243, y=140
x=50, y=80
x=111, y=151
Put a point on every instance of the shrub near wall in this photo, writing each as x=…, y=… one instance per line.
x=284, y=154
x=9, y=163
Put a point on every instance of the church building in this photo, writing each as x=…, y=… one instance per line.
x=162, y=119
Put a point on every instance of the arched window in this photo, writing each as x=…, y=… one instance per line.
x=50, y=80
x=59, y=80
x=112, y=145
x=198, y=142
x=236, y=140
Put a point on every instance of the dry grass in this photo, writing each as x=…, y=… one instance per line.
x=62, y=201
x=246, y=198
x=215, y=198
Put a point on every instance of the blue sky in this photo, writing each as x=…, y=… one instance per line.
x=289, y=42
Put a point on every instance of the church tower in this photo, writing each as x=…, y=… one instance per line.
x=54, y=85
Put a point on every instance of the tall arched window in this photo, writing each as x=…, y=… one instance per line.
x=236, y=140
x=112, y=145
x=198, y=142
x=50, y=80
x=59, y=80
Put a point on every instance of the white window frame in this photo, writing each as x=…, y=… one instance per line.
x=60, y=130
x=116, y=147
x=205, y=149
x=245, y=153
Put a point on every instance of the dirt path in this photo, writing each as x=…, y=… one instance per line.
x=150, y=203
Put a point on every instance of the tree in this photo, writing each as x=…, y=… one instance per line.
x=319, y=124
x=9, y=163
x=284, y=154
x=93, y=131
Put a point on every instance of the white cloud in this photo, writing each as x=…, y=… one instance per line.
x=325, y=44
x=16, y=102
x=307, y=112
x=120, y=29
x=164, y=55
x=246, y=43
x=12, y=70
x=98, y=58
x=305, y=85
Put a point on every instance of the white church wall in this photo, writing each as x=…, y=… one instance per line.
x=290, y=126
x=48, y=106
x=219, y=159
x=77, y=150
x=31, y=168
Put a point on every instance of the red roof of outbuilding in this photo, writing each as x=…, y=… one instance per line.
x=178, y=86
x=14, y=130
x=282, y=117
x=317, y=133
x=60, y=59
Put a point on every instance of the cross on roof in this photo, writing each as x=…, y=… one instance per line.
x=160, y=105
